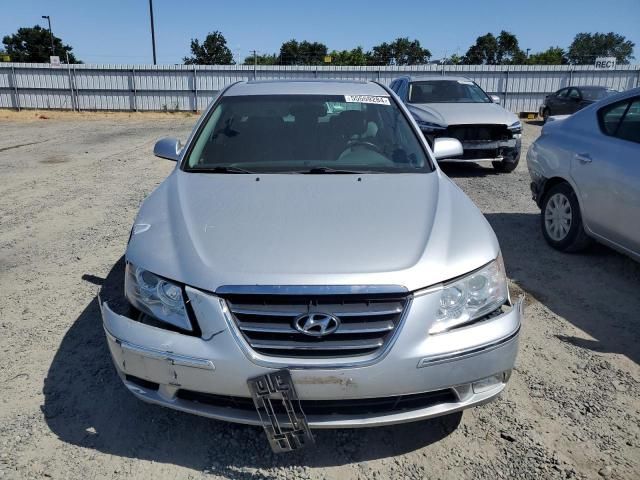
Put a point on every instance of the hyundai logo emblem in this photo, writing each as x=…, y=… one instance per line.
x=316, y=324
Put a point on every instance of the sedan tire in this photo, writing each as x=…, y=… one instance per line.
x=545, y=115
x=505, y=167
x=561, y=220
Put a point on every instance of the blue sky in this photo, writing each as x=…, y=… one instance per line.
x=117, y=31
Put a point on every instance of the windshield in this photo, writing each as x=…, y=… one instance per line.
x=594, y=94
x=306, y=134
x=446, y=91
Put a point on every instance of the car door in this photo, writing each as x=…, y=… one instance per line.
x=557, y=102
x=606, y=171
x=573, y=101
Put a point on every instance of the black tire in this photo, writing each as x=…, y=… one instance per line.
x=562, y=234
x=545, y=115
x=506, y=167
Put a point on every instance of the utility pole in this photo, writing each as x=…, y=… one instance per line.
x=153, y=31
x=50, y=33
x=255, y=63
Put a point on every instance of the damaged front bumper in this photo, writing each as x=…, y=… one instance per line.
x=422, y=376
x=489, y=151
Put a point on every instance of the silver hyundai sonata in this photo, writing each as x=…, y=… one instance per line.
x=307, y=265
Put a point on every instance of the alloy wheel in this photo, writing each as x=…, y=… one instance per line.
x=558, y=217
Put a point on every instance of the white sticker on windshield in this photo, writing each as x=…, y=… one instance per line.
x=367, y=99
x=465, y=82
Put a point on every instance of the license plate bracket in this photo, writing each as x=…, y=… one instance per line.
x=274, y=390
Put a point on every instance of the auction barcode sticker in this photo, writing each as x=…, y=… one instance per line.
x=378, y=100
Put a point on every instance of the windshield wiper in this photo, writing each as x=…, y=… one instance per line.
x=220, y=169
x=320, y=170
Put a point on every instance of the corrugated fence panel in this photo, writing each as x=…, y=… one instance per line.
x=192, y=87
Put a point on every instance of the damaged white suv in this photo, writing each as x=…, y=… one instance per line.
x=307, y=265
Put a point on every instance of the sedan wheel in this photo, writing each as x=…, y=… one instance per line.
x=561, y=219
x=557, y=217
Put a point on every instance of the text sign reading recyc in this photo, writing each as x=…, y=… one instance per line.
x=606, y=63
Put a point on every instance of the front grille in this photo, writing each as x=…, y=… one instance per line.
x=478, y=133
x=356, y=406
x=367, y=323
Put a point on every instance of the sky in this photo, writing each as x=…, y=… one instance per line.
x=117, y=31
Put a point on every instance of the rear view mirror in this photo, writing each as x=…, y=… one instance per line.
x=168, y=148
x=446, y=148
x=495, y=98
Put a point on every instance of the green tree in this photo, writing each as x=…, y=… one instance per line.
x=492, y=50
x=551, y=56
x=34, y=45
x=401, y=51
x=483, y=52
x=302, y=53
x=354, y=57
x=263, y=59
x=213, y=51
x=509, y=51
x=454, y=59
x=587, y=46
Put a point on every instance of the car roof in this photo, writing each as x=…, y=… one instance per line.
x=452, y=78
x=593, y=87
x=306, y=87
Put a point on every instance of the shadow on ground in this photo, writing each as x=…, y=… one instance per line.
x=597, y=290
x=86, y=405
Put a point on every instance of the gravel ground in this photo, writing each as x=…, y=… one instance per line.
x=70, y=186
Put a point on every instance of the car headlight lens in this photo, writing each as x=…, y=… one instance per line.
x=471, y=297
x=515, y=127
x=156, y=296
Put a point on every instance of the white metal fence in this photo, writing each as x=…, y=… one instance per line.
x=191, y=87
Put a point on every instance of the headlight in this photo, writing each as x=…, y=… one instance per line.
x=515, y=127
x=156, y=296
x=472, y=296
x=429, y=126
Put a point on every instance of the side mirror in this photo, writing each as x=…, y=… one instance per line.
x=495, y=99
x=446, y=148
x=168, y=148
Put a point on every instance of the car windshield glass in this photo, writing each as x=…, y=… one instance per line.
x=307, y=134
x=594, y=94
x=446, y=91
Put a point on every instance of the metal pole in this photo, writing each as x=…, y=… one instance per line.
x=15, y=86
x=506, y=86
x=255, y=63
x=153, y=31
x=70, y=82
x=50, y=33
x=195, y=88
x=134, y=89
x=76, y=85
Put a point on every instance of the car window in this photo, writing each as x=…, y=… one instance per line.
x=574, y=93
x=562, y=93
x=393, y=85
x=296, y=133
x=446, y=91
x=594, y=94
x=621, y=120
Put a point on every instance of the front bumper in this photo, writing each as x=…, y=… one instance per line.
x=158, y=366
x=489, y=151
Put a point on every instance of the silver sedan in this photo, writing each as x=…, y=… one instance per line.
x=585, y=173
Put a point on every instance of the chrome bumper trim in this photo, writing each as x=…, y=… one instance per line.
x=171, y=358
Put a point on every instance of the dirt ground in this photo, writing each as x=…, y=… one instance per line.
x=70, y=186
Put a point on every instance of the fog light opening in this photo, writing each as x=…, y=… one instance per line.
x=489, y=383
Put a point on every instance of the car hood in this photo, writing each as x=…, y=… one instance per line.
x=469, y=113
x=209, y=230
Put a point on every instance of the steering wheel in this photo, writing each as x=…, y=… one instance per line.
x=364, y=143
